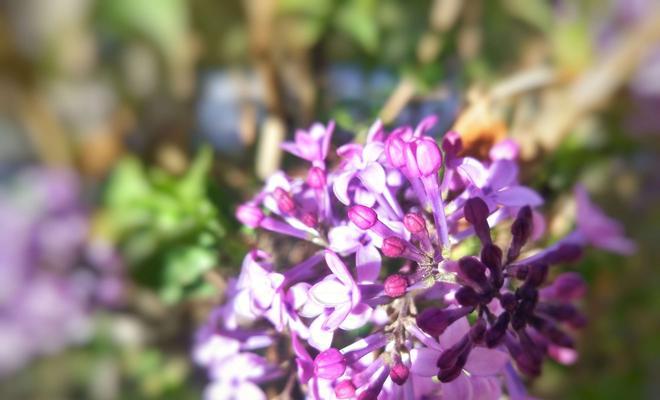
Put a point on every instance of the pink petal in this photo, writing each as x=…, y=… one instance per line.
x=339, y=269
x=372, y=151
x=344, y=239
x=373, y=177
x=367, y=263
x=291, y=148
x=337, y=316
x=358, y=316
x=320, y=338
x=484, y=362
x=340, y=186
x=518, y=196
x=423, y=361
x=330, y=293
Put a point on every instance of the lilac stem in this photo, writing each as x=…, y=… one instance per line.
x=433, y=193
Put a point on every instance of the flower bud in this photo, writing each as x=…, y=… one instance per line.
x=284, y=200
x=521, y=229
x=309, y=219
x=399, y=373
x=345, y=389
x=395, y=285
x=496, y=333
x=536, y=275
x=434, y=321
x=466, y=296
x=474, y=270
x=316, y=178
x=414, y=223
x=393, y=246
x=362, y=216
x=395, y=149
x=428, y=156
x=329, y=364
x=476, y=213
x=249, y=215
x=567, y=252
x=452, y=144
x=508, y=301
x=568, y=286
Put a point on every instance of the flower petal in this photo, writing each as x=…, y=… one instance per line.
x=367, y=263
x=330, y=293
x=454, y=333
x=373, y=177
x=337, y=316
x=340, y=186
x=338, y=268
x=358, y=316
x=458, y=389
x=518, y=196
x=344, y=239
x=483, y=361
x=423, y=361
x=502, y=173
x=320, y=338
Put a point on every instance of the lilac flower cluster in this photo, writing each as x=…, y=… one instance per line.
x=47, y=288
x=417, y=318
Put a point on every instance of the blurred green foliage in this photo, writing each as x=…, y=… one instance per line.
x=167, y=226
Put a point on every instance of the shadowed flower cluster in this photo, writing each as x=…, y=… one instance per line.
x=394, y=304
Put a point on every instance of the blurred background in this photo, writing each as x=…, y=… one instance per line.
x=130, y=129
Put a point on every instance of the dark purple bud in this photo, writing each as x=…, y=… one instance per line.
x=552, y=332
x=526, y=361
x=478, y=331
x=345, y=389
x=496, y=333
x=472, y=269
x=560, y=312
x=393, y=246
x=414, y=223
x=449, y=357
x=452, y=144
x=329, y=364
x=434, y=321
x=522, y=271
x=316, y=178
x=467, y=296
x=476, y=212
x=491, y=255
x=284, y=200
x=521, y=230
x=566, y=252
x=568, y=286
x=508, y=301
x=362, y=216
x=309, y=219
x=395, y=285
x=451, y=373
x=399, y=373
x=536, y=275
x=249, y=215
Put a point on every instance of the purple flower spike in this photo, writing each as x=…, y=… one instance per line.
x=249, y=215
x=329, y=364
x=395, y=285
x=362, y=216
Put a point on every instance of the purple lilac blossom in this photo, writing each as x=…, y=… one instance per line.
x=53, y=275
x=389, y=222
